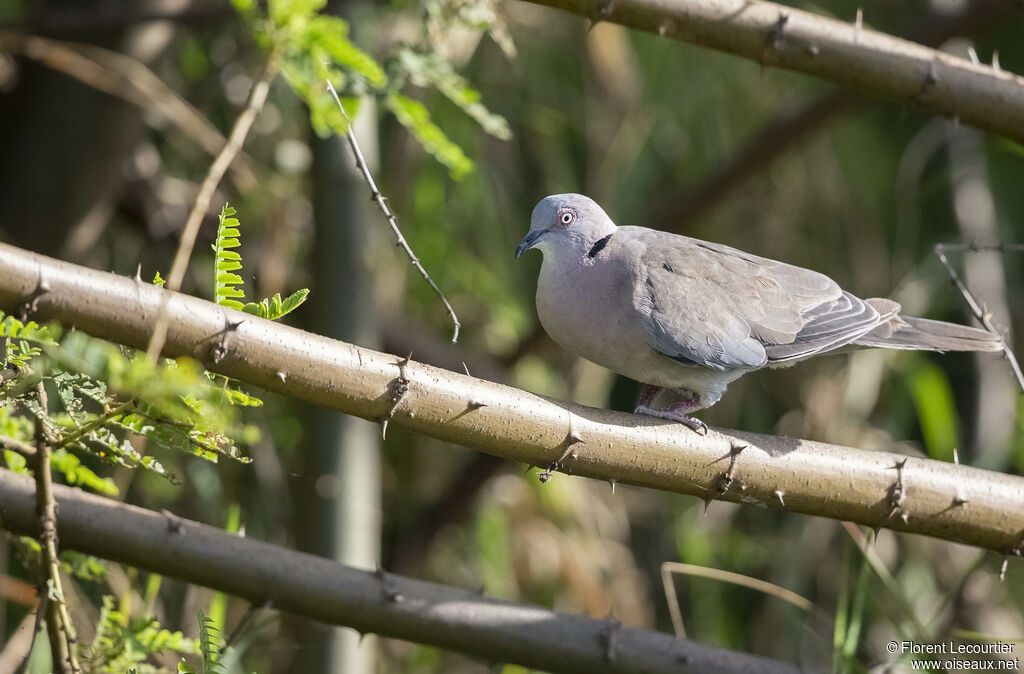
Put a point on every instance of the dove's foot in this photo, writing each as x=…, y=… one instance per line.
x=675, y=412
x=678, y=412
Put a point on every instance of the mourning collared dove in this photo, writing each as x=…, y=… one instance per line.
x=678, y=313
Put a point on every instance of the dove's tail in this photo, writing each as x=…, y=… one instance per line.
x=907, y=332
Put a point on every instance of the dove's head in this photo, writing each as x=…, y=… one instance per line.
x=566, y=226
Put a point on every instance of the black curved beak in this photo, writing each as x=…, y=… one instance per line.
x=529, y=241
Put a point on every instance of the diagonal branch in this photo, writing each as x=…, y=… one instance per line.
x=382, y=203
x=794, y=126
x=379, y=602
x=878, y=489
x=977, y=310
x=845, y=53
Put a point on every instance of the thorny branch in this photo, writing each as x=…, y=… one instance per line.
x=58, y=621
x=381, y=202
x=379, y=602
x=815, y=478
x=847, y=53
x=213, y=177
x=977, y=309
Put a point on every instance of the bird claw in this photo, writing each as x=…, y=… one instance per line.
x=695, y=425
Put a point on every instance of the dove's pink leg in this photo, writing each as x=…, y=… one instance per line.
x=678, y=411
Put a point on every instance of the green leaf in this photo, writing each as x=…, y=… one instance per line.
x=432, y=69
x=330, y=35
x=936, y=410
x=414, y=116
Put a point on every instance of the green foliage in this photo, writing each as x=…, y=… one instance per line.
x=414, y=116
x=849, y=614
x=122, y=643
x=313, y=47
x=936, y=409
x=19, y=342
x=227, y=261
x=210, y=644
x=431, y=70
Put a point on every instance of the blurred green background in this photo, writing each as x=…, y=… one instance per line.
x=643, y=125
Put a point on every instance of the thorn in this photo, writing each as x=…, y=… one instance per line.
x=773, y=40
x=877, y=529
x=31, y=304
x=574, y=437
x=475, y=404
x=1002, y=569
x=281, y=375
x=662, y=29
x=707, y=504
x=384, y=428
x=388, y=586
x=995, y=61
x=608, y=633
x=612, y=483
x=138, y=273
x=397, y=389
x=933, y=74
x=956, y=457
x=779, y=494
x=905, y=517
x=974, y=56
x=899, y=465
x=464, y=367
x=174, y=523
x=858, y=23
x=960, y=500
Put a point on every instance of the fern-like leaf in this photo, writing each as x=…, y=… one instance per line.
x=227, y=261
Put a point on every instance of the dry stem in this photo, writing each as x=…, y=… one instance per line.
x=381, y=202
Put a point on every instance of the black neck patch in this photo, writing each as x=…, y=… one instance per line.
x=599, y=246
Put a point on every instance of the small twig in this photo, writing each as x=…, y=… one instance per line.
x=392, y=220
x=58, y=621
x=23, y=448
x=220, y=165
x=976, y=309
x=93, y=424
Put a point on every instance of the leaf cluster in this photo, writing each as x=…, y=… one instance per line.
x=313, y=47
x=227, y=261
x=123, y=643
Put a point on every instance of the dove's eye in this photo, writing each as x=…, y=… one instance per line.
x=566, y=216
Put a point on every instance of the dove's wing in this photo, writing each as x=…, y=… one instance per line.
x=711, y=305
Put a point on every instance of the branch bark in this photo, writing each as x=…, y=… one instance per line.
x=845, y=53
x=878, y=489
x=382, y=603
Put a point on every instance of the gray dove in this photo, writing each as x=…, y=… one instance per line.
x=678, y=313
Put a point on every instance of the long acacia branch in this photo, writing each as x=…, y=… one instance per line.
x=382, y=603
x=878, y=489
x=845, y=53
